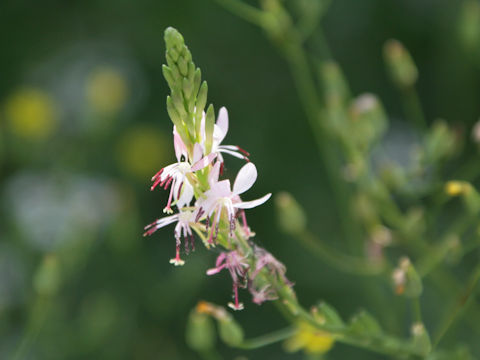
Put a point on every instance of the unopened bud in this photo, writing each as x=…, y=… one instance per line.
x=325, y=314
x=468, y=193
x=230, y=331
x=368, y=120
x=420, y=337
x=335, y=86
x=406, y=279
x=364, y=324
x=440, y=142
x=291, y=216
x=200, y=332
x=47, y=277
x=402, y=69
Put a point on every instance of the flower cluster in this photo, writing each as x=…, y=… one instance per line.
x=205, y=205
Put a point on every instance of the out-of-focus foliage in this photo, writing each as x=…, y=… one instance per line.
x=84, y=125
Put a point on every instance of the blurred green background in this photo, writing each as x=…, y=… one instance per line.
x=83, y=127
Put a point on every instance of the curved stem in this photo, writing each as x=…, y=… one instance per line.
x=268, y=339
x=337, y=260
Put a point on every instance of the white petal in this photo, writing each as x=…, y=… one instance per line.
x=245, y=178
x=214, y=173
x=233, y=153
x=197, y=152
x=222, y=122
x=253, y=203
x=186, y=196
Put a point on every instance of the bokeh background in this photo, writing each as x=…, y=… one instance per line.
x=83, y=127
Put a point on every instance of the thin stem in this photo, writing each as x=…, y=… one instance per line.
x=413, y=107
x=268, y=339
x=462, y=303
x=417, y=310
x=244, y=11
x=339, y=261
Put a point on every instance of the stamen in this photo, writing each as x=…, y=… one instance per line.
x=244, y=152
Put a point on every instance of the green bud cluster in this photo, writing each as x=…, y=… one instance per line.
x=188, y=97
x=402, y=69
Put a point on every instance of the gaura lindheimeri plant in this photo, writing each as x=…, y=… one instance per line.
x=206, y=206
x=203, y=205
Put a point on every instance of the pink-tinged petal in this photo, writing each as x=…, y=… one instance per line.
x=253, y=203
x=197, y=152
x=216, y=270
x=245, y=178
x=214, y=173
x=222, y=122
x=220, y=189
x=200, y=164
x=180, y=148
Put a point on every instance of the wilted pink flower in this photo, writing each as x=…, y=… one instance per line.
x=220, y=198
x=185, y=220
x=237, y=266
x=181, y=190
x=262, y=294
x=268, y=261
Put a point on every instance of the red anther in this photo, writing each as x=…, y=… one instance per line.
x=222, y=165
x=244, y=152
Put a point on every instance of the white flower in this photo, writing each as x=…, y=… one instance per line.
x=220, y=198
x=175, y=175
x=185, y=220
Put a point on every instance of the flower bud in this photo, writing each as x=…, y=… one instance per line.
x=402, y=69
x=368, y=120
x=200, y=332
x=46, y=280
x=440, y=143
x=230, y=331
x=406, y=279
x=364, y=324
x=420, y=337
x=327, y=315
x=291, y=216
x=469, y=194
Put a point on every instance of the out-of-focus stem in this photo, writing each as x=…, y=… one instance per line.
x=244, y=11
x=268, y=339
x=463, y=301
x=337, y=260
x=413, y=107
x=37, y=318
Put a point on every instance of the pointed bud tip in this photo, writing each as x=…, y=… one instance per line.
x=173, y=38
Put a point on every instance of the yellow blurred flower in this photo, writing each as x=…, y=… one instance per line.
x=31, y=113
x=143, y=150
x=455, y=188
x=106, y=90
x=310, y=339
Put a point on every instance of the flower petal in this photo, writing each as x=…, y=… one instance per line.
x=245, y=178
x=222, y=122
x=180, y=148
x=252, y=203
x=203, y=162
x=186, y=195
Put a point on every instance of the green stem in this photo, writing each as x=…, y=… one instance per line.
x=244, y=11
x=463, y=301
x=413, y=107
x=268, y=339
x=339, y=261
